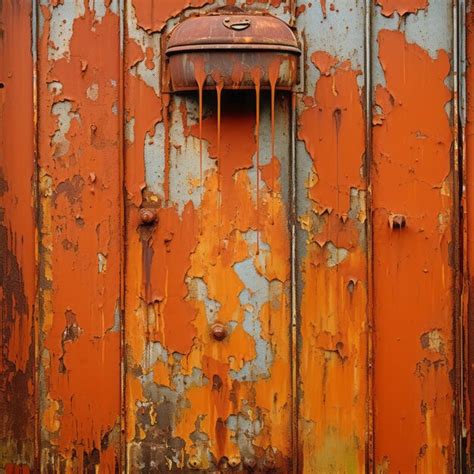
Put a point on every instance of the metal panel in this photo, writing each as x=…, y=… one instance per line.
x=80, y=245
x=17, y=239
x=219, y=252
x=414, y=260
x=332, y=244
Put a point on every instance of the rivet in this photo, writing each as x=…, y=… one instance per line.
x=234, y=461
x=148, y=215
x=219, y=331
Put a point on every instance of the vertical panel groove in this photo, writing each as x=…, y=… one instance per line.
x=370, y=453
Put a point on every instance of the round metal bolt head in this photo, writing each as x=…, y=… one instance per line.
x=148, y=215
x=250, y=462
x=219, y=331
x=234, y=461
x=194, y=462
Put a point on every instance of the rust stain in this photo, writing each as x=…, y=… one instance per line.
x=17, y=241
x=333, y=309
x=323, y=4
x=80, y=247
x=412, y=177
x=402, y=7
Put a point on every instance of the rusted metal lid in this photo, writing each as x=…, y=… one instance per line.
x=234, y=29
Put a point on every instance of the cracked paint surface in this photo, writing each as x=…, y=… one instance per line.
x=414, y=341
x=334, y=296
x=79, y=237
x=204, y=399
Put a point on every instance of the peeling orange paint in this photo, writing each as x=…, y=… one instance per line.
x=332, y=422
x=152, y=15
x=186, y=253
x=412, y=265
x=402, y=7
x=80, y=261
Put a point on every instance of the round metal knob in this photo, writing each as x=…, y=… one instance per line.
x=219, y=331
x=148, y=215
x=234, y=461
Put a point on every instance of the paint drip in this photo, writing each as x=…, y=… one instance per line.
x=256, y=77
x=273, y=74
x=200, y=76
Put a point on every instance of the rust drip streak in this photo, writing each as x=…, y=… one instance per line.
x=256, y=77
x=273, y=78
x=166, y=128
x=219, y=88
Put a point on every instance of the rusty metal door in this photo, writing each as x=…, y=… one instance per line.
x=227, y=285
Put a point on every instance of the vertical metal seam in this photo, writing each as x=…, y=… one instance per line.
x=294, y=304
x=459, y=200
x=123, y=243
x=37, y=205
x=370, y=441
x=464, y=297
x=457, y=240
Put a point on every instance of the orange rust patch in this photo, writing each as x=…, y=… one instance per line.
x=334, y=126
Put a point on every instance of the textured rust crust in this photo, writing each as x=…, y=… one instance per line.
x=17, y=239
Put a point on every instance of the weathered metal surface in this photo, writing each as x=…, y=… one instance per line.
x=332, y=242
x=286, y=265
x=80, y=249
x=208, y=286
x=17, y=240
x=412, y=175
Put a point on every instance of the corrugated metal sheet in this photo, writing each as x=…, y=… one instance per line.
x=245, y=282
